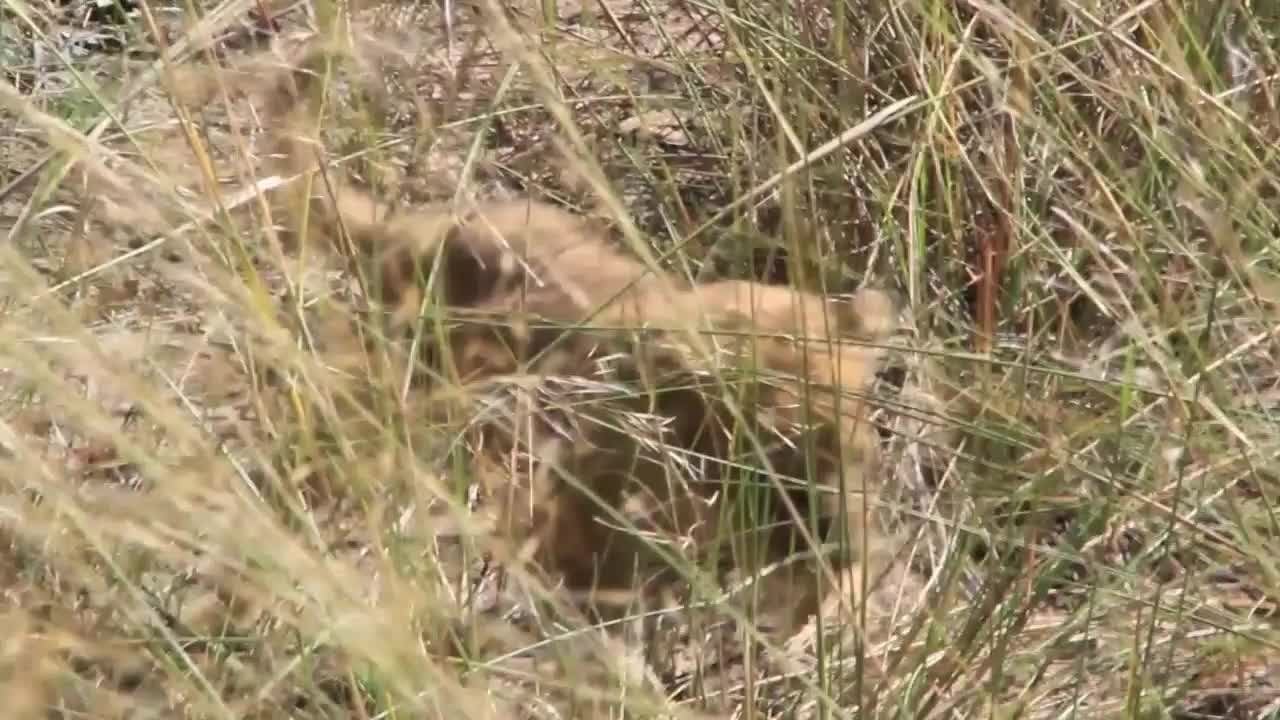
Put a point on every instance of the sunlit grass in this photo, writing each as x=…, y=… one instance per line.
x=215, y=503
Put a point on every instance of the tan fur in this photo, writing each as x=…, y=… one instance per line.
x=525, y=265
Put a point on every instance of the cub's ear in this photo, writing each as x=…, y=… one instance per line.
x=870, y=314
x=477, y=265
x=430, y=248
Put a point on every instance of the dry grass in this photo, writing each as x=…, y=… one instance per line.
x=214, y=502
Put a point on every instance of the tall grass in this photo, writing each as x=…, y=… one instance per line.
x=214, y=504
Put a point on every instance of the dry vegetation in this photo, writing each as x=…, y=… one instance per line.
x=229, y=488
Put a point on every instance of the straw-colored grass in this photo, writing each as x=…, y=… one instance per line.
x=214, y=505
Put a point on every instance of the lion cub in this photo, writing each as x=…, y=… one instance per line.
x=630, y=418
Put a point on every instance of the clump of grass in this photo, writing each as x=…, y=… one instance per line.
x=214, y=503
